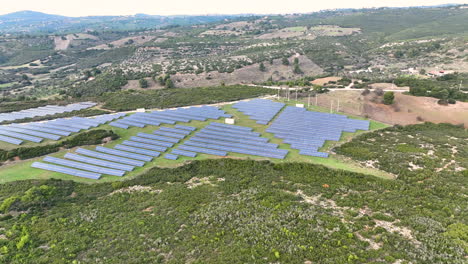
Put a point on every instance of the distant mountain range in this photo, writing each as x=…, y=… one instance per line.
x=36, y=22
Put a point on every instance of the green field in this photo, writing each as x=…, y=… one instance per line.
x=21, y=170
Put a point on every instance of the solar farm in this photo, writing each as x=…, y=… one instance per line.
x=263, y=129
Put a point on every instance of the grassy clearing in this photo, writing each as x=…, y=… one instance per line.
x=22, y=170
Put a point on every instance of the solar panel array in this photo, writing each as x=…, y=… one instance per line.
x=261, y=110
x=53, y=130
x=307, y=131
x=120, y=159
x=182, y=114
x=45, y=110
x=220, y=139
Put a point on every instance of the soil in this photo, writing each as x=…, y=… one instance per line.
x=406, y=109
x=247, y=75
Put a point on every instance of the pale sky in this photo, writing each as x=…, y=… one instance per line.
x=197, y=7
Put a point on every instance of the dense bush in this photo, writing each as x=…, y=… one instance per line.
x=239, y=211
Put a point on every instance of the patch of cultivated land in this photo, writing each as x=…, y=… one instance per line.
x=406, y=110
x=137, y=40
x=248, y=74
x=62, y=43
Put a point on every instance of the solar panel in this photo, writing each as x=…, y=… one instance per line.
x=185, y=127
x=138, y=150
x=124, y=154
x=168, y=134
x=171, y=156
x=161, y=138
x=99, y=162
x=65, y=170
x=203, y=150
x=184, y=153
x=10, y=140
x=175, y=130
x=84, y=166
x=143, y=145
x=110, y=157
x=39, y=128
x=31, y=132
x=119, y=125
x=152, y=142
x=20, y=136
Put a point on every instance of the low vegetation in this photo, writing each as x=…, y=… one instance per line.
x=234, y=211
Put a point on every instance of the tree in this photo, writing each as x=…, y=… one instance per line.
x=296, y=61
x=169, y=83
x=143, y=83
x=262, y=67
x=388, y=98
x=297, y=69
x=285, y=61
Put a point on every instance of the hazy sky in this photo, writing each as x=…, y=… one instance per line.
x=178, y=7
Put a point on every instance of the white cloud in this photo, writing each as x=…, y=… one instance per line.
x=177, y=7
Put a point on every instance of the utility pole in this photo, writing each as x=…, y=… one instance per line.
x=296, y=94
x=308, y=101
x=459, y=87
x=331, y=106
x=338, y=107
x=316, y=97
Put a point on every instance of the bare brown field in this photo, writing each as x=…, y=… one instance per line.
x=248, y=74
x=406, y=110
x=63, y=44
x=322, y=81
x=387, y=86
x=122, y=42
x=135, y=85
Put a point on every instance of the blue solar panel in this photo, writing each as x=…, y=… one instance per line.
x=99, y=162
x=152, y=141
x=40, y=129
x=307, y=131
x=117, y=124
x=84, y=166
x=110, y=157
x=168, y=134
x=124, y=154
x=234, y=127
x=33, y=133
x=20, y=136
x=259, y=109
x=238, y=140
x=203, y=150
x=175, y=130
x=65, y=170
x=184, y=153
x=10, y=140
x=185, y=127
x=162, y=138
x=143, y=145
x=138, y=150
x=171, y=156
x=251, y=138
